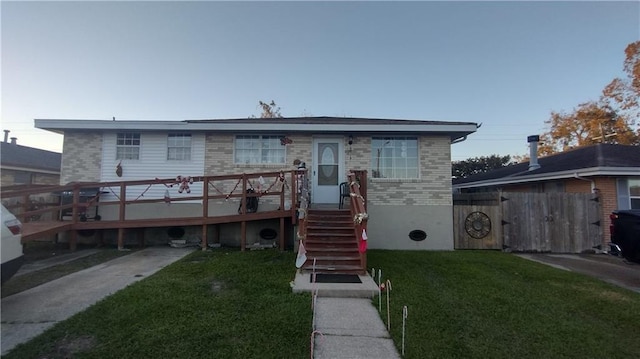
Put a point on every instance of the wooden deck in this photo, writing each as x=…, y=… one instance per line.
x=30, y=211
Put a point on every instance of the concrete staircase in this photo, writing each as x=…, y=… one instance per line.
x=331, y=241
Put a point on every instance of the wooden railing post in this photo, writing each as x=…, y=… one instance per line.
x=205, y=210
x=243, y=224
x=122, y=214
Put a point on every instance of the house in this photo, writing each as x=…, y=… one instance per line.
x=21, y=165
x=408, y=163
x=612, y=171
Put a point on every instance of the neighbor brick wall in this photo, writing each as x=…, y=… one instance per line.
x=81, y=157
x=607, y=188
x=432, y=188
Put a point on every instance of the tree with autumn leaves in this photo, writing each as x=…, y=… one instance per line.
x=613, y=118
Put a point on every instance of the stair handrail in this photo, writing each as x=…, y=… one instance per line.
x=303, y=198
x=359, y=212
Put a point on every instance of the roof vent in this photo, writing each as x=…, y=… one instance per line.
x=533, y=152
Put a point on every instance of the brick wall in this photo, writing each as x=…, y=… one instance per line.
x=81, y=157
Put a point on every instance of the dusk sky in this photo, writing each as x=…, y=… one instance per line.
x=506, y=65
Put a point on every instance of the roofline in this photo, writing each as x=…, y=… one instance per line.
x=454, y=129
x=30, y=169
x=582, y=172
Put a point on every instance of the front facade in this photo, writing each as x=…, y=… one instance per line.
x=610, y=171
x=408, y=162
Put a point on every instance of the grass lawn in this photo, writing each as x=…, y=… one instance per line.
x=214, y=304
x=228, y=304
x=471, y=304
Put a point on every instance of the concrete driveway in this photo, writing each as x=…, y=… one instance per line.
x=605, y=267
x=29, y=313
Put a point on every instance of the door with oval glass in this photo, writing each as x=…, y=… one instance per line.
x=328, y=169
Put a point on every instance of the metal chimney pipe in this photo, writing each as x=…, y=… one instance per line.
x=533, y=152
x=6, y=135
x=13, y=140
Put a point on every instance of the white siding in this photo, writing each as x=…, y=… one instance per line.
x=153, y=163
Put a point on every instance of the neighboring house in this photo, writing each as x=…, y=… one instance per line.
x=21, y=165
x=612, y=171
x=408, y=161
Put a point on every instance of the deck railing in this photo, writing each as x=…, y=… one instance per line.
x=44, y=203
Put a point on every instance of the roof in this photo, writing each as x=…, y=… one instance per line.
x=328, y=125
x=28, y=158
x=597, y=160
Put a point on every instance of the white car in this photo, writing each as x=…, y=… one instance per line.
x=12, y=256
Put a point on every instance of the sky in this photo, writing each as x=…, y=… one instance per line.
x=505, y=65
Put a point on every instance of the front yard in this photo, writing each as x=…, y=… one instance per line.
x=228, y=304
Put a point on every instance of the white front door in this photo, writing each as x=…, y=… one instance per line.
x=328, y=169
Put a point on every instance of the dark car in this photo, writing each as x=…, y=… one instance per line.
x=625, y=232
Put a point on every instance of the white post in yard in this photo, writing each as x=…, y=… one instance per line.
x=404, y=322
x=388, y=311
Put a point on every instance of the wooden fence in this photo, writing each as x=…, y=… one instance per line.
x=528, y=222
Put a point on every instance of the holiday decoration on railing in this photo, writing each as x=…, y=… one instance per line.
x=358, y=218
x=184, y=183
x=285, y=141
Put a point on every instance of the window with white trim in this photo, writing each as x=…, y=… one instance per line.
x=255, y=149
x=394, y=157
x=128, y=146
x=179, y=147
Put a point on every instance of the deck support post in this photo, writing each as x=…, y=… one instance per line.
x=73, y=240
x=140, y=235
x=282, y=233
x=243, y=236
x=120, y=239
x=204, y=237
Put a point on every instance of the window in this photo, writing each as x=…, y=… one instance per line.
x=628, y=193
x=634, y=193
x=259, y=150
x=179, y=147
x=394, y=157
x=128, y=146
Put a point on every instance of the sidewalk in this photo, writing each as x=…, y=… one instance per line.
x=351, y=328
x=27, y=314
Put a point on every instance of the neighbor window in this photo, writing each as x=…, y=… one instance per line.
x=634, y=193
x=259, y=150
x=128, y=146
x=629, y=193
x=179, y=147
x=394, y=157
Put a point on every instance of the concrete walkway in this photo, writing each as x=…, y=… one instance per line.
x=27, y=314
x=347, y=325
x=351, y=328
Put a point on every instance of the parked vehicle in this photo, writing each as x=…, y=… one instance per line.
x=625, y=233
x=12, y=256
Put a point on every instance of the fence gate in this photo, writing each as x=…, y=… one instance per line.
x=476, y=221
x=551, y=222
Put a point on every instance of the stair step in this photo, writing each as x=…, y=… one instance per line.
x=328, y=242
x=333, y=250
x=329, y=234
x=337, y=267
x=333, y=257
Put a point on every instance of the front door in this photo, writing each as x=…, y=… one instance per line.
x=328, y=169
